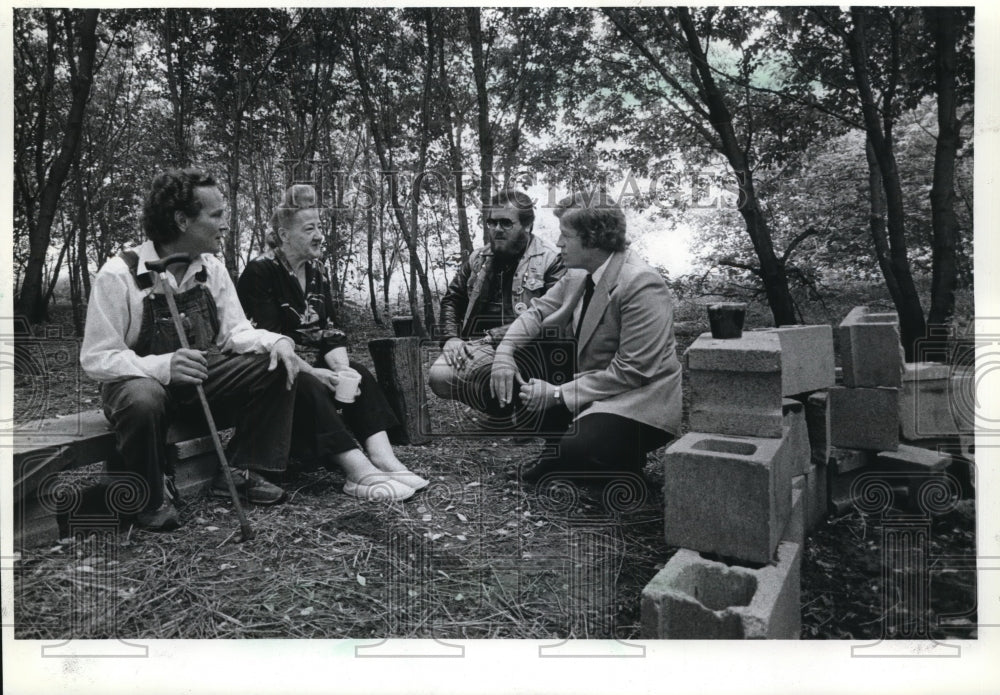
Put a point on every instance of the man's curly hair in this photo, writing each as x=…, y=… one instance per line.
x=172, y=190
x=598, y=220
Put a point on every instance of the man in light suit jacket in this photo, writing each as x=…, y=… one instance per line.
x=625, y=397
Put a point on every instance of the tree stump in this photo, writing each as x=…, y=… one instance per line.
x=398, y=370
x=402, y=326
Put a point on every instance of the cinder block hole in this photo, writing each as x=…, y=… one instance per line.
x=726, y=446
x=716, y=587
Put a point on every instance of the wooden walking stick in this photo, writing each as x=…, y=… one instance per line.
x=160, y=266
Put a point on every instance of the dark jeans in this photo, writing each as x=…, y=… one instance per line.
x=239, y=386
x=603, y=443
x=320, y=432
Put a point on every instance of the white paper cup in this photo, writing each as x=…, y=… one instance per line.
x=348, y=381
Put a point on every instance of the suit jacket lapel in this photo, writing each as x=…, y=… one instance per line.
x=599, y=302
x=563, y=316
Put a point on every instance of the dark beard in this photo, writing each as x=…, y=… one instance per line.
x=506, y=257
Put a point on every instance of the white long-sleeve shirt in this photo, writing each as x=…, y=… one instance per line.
x=114, y=317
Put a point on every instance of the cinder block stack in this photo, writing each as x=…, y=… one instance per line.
x=774, y=446
x=881, y=397
x=737, y=488
x=864, y=413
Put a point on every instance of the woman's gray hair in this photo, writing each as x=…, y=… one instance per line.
x=297, y=197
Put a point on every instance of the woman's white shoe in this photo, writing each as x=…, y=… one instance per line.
x=410, y=479
x=378, y=487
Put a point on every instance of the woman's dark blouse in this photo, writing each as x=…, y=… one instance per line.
x=273, y=300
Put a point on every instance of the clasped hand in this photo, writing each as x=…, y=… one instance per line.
x=537, y=395
x=189, y=366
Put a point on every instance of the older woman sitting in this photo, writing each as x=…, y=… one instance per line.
x=288, y=293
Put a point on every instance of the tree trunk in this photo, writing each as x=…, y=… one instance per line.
x=75, y=290
x=30, y=301
x=911, y=315
x=453, y=126
x=942, y=23
x=876, y=223
x=772, y=272
x=474, y=23
x=55, y=271
x=83, y=211
x=372, y=294
x=175, y=83
x=409, y=235
x=425, y=138
x=232, y=251
x=386, y=266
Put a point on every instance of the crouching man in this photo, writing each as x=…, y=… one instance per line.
x=625, y=397
x=490, y=290
x=131, y=346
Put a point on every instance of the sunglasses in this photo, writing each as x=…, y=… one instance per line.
x=501, y=223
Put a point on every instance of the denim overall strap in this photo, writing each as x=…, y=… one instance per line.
x=196, y=306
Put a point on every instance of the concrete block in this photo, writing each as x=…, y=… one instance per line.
x=727, y=495
x=794, y=420
x=962, y=398
x=916, y=467
x=756, y=351
x=913, y=458
x=925, y=408
x=193, y=476
x=795, y=529
x=870, y=349
x=843, y=492
x=735, y=385
x=696, y=598
x=816, y=496
x=862, y=418
x=806, y=358
x=818, y=426
x=967, y=445
x=34, y=525
x=840, y=499
x=848, y=460
x=735, y=403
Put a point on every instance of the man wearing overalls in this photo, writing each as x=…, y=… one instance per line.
x=131, y=346
x=492, y=288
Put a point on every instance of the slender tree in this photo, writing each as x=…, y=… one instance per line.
x=704, y=106
x=80, y=33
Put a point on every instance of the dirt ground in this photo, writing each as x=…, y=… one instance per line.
x=473, y=556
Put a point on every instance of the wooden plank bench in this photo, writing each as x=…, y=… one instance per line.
x=57, y=448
